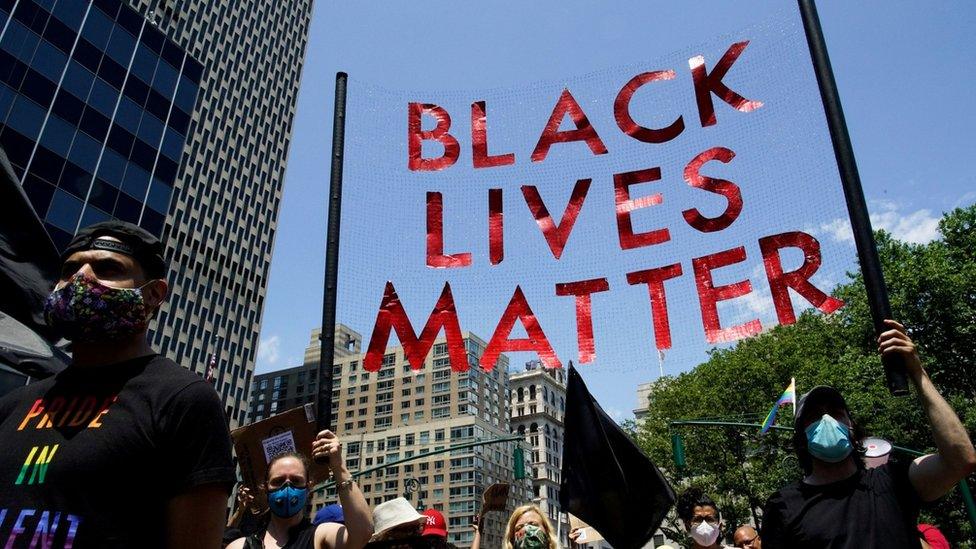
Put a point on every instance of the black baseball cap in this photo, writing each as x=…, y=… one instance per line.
x=134, y=241
x=821, y=394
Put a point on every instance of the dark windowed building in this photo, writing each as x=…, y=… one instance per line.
x=95, y=103
x=173, y=114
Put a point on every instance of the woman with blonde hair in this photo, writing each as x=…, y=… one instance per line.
x=528, y=528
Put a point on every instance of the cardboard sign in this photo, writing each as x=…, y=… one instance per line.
x=495, y=497
x=258, y=443
x=587, y=533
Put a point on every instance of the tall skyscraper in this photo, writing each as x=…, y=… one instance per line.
x=95, y=103
x=220, y=76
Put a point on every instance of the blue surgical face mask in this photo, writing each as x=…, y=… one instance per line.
x=287, y=501
x=829, y=440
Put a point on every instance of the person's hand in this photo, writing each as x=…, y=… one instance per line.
x=476, y=524
x=244, y=497
x=575, y=534
x=327, y=446
x=895, y=342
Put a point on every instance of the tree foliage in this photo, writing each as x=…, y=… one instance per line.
x=932, y=289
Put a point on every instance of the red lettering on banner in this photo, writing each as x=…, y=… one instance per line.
x=556, y=235
x=416, y=136
x=709, y=295
x=496, y=228
x=393, y=316
x=798, y=280
x=479, y=140
x=654, y=278
x=707, y=83
x=518, y=309
x=625, y=205
x=621, y=111
x=583, y=291
x=583, y=132
x=435, y=237
x=725, y=188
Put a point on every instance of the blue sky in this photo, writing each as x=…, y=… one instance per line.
x=905, y=77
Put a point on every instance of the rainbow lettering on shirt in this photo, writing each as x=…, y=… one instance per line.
x=77, y=411
x=45, y=527
x=40, y=463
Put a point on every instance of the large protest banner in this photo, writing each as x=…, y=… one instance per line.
x=627, y=220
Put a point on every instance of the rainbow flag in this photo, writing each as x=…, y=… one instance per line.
x=788, y=397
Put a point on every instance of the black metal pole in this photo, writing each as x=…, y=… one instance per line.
x=327, y=334
x=867, y=250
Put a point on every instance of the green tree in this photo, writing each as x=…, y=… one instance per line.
x=932, y=289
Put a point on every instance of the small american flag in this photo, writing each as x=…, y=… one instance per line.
x=212, y=368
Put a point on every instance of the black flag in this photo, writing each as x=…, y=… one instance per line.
x=607, y=481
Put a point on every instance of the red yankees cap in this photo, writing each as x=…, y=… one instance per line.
x=435, y=525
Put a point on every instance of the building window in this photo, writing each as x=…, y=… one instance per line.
x=436, y=413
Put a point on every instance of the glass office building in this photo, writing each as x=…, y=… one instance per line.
x=95, y=103
x=106, y=110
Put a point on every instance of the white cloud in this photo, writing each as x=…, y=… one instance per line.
x=965, y=200
x=269, y=350
x=918, y=227
x=839, y=230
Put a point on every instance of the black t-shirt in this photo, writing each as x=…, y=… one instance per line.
x=91, y=455
x=300, y=536
x=876, y=508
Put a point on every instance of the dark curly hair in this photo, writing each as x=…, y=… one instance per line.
x=691, y=498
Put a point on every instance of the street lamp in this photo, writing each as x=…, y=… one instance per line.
x=411, y=485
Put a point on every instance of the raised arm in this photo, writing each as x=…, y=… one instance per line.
x=358, y=517
x=932, y=475
x=477, y=525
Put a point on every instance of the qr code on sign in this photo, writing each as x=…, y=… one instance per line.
x=278, y=444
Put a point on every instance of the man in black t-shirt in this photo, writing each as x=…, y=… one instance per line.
x=123, y=448
x=839, y=504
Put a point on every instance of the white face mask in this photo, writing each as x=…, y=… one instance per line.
x=704, y=534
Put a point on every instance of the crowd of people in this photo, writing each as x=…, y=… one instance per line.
x=125, y=448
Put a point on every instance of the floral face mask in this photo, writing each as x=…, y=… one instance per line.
x=86, y=311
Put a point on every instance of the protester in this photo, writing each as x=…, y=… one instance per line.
x=435, y=530
x=746, y=537
x=123, y=448
x=435, y=524
x=839, y=503
x=288, y=484
x=701, y=517
x=329, y=513
x=528, y=528
x=397, y=519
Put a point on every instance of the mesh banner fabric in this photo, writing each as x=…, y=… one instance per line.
x=628, y=219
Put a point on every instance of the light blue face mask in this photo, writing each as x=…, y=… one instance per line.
x=829, y=440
